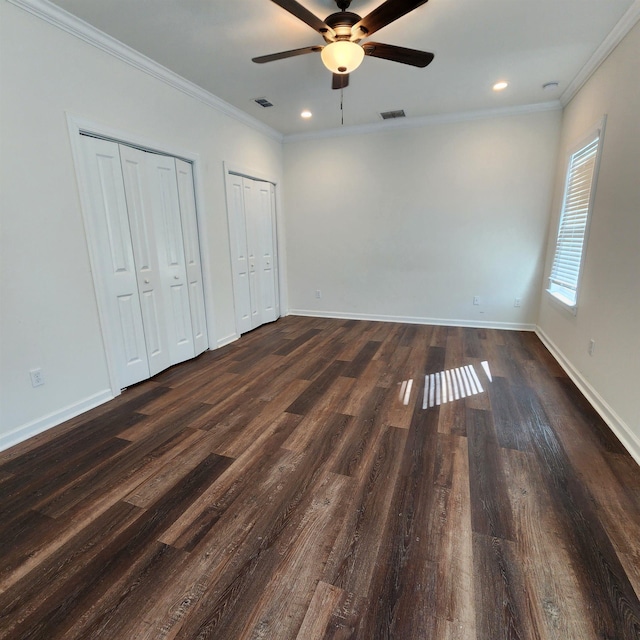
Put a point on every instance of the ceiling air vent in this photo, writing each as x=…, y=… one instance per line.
x=263, y=102
x=388, y=115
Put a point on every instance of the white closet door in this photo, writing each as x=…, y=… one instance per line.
x=239, y=257
x=186, y=195
x=112, y=247
x=252, y=236
x=252, y=219
x=274, y=249
x=173, y=276
x=265, y=251
x=136, y=184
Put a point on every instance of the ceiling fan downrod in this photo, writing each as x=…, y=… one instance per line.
x=343, y=5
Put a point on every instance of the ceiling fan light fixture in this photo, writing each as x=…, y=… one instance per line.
x=342, y=56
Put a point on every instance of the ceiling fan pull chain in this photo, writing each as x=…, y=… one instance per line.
x=342, y=106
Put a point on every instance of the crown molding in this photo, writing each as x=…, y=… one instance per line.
x=78, y=28
x=69, y=23
x=423, y=121
x=622, y=28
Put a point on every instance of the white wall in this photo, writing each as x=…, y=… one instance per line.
x=49, y=315
x=413, y=223
x=609, y=304
x=407, y=224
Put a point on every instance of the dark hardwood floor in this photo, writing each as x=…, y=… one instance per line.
x=292, y=486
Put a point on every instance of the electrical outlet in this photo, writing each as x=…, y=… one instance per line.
x=592, y=346
x=37, y=377
x=517, y=302
x=318, y=294
x=476, y=300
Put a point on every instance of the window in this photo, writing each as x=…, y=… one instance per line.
x=574, y=219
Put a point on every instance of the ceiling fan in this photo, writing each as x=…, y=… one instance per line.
x=343, y=31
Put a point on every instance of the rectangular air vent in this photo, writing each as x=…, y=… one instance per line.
x=263, y=102
x=388, y=115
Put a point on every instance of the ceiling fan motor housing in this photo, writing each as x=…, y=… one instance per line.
x=343, y=30
x=342, y=24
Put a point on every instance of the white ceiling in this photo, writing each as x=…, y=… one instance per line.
x=475, y=42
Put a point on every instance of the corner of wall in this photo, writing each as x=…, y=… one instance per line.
x=223, y=342
x=53, y=419
x=621, y=430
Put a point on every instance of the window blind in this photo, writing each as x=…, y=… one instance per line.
x=567, y=261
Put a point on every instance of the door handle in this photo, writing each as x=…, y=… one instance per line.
x=146, y=282
x=176, y=277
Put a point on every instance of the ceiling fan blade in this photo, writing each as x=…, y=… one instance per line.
x=340, y=81
x=300, y=12
x=386, y=13
x=286, y=54
x=398, y=54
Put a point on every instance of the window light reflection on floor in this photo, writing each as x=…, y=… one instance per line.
x=453, y=384
x=405, y=391
x=447, y=386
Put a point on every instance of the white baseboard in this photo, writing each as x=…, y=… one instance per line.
x=53, y=419
x=232, y=337
x=621, y=430
x=40, y=425
x=473, y=324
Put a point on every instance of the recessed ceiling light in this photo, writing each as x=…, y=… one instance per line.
x=499, y=86
x=306, y=114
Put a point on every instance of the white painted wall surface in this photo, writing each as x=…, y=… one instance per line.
x=48, y=317
x=609, y=304
x=413, y=223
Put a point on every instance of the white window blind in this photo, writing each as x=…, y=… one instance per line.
x=574, y=219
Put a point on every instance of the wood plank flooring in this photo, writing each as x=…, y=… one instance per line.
x=288, y=487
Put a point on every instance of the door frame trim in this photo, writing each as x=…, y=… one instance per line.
x=233, y=168
x=79, y=125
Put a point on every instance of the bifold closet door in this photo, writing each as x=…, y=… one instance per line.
x=165, y=205
x=192, y=257
x=239, y=256
x=251, y=212
x=265, y=242
x=144, y=235
x=250, y=191
x=112, y=248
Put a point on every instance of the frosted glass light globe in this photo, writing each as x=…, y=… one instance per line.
x=342, y=56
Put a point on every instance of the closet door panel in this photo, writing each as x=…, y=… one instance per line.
x=111, y=240
x=252, y=216
x=154, y=334
x=182, y=321
x=193, y=265
x=128, y=316
x=239, y=258
x=274, y=249
x=169, y=240
x=136, y=182
x=265, y=239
